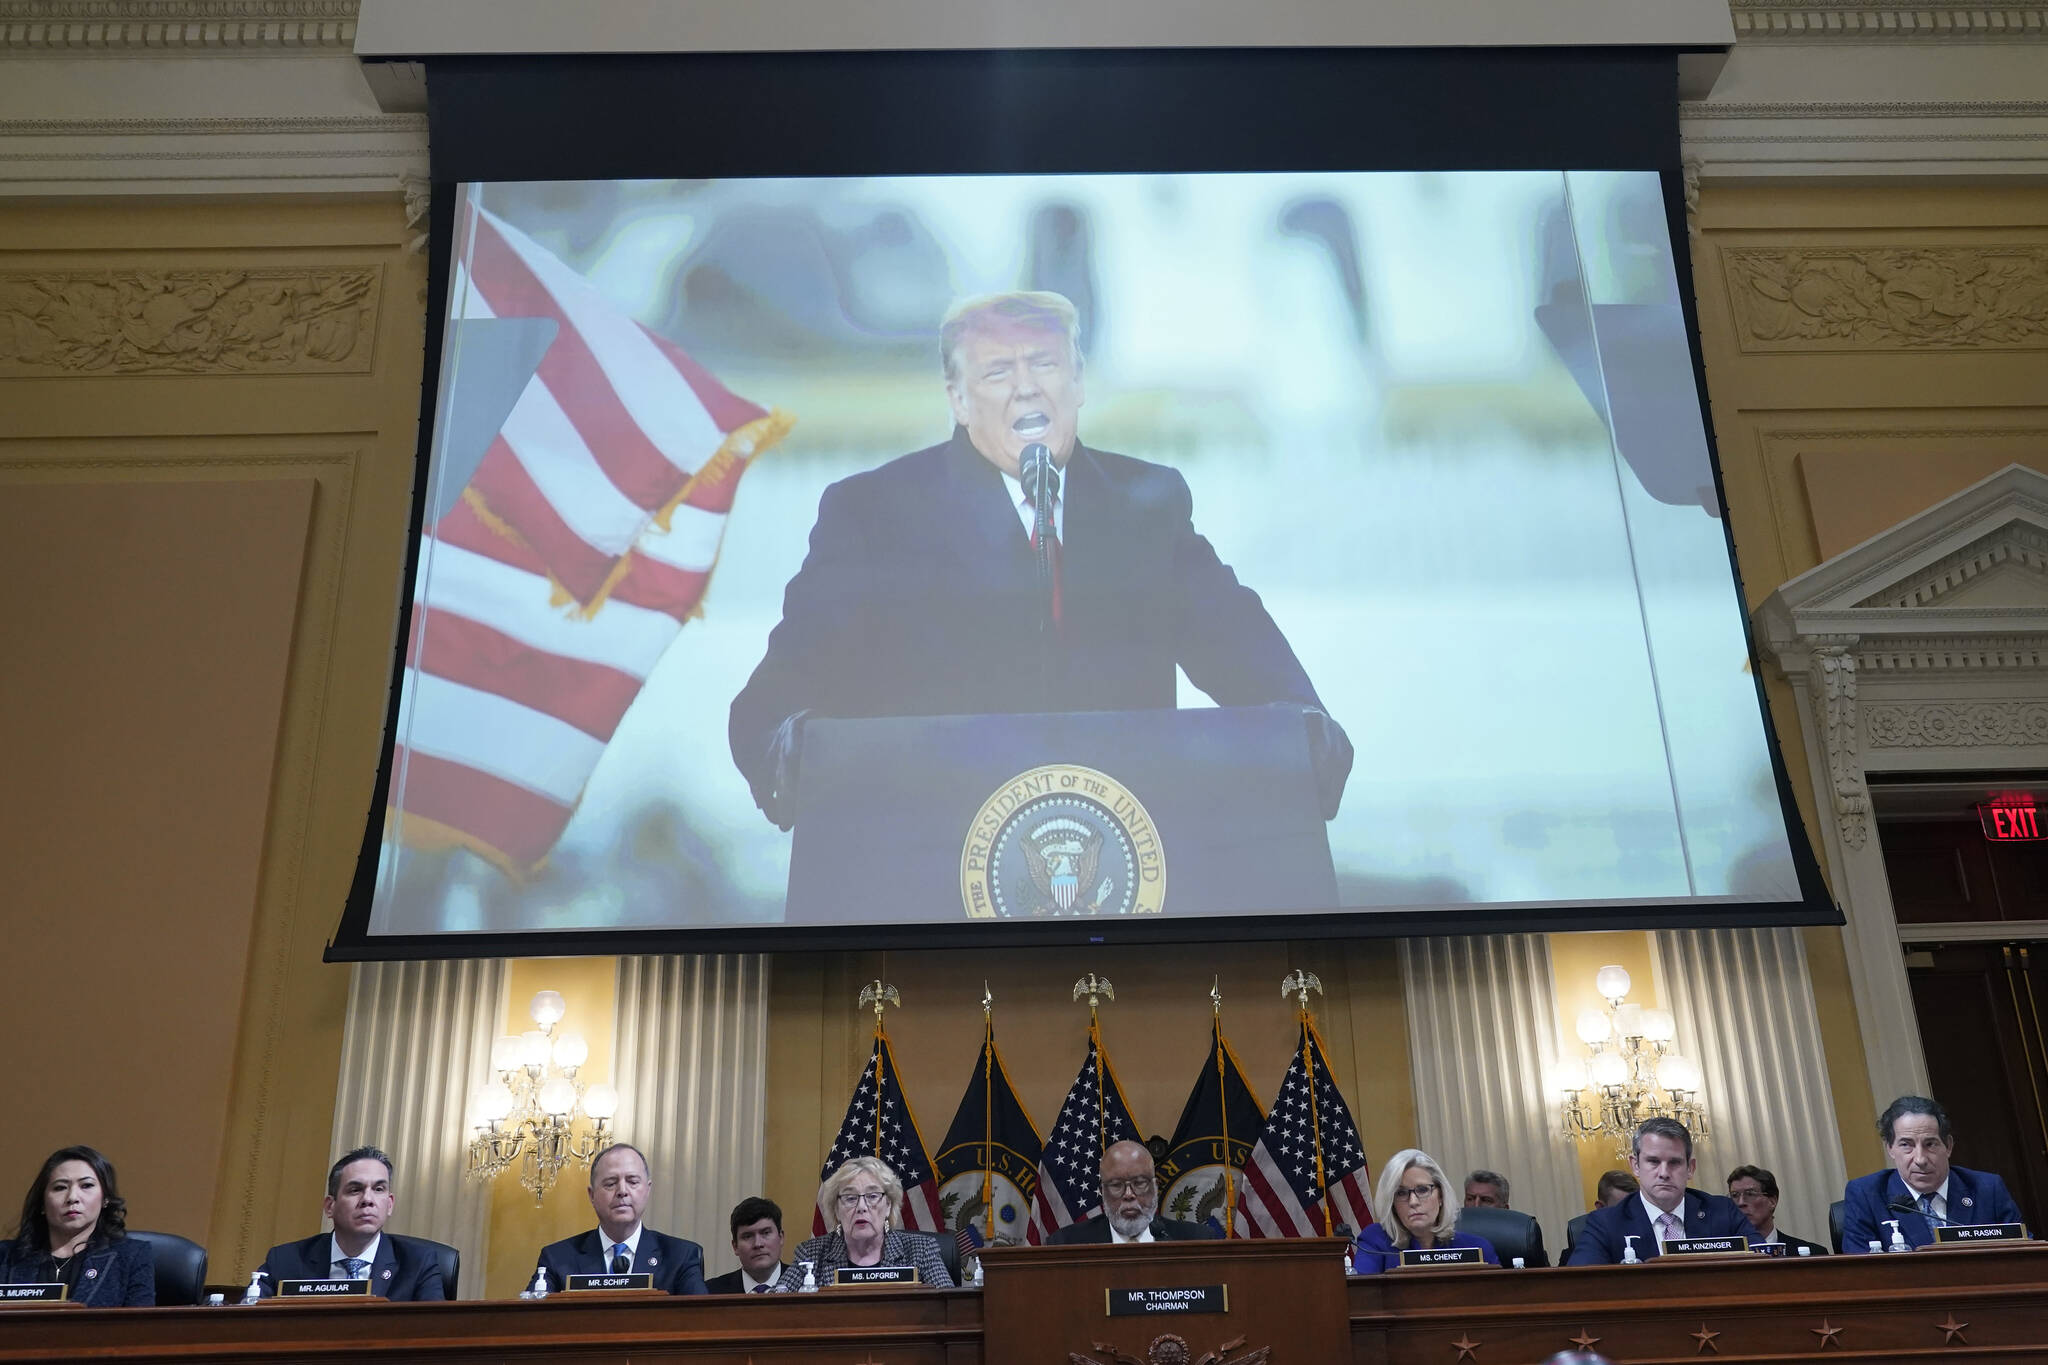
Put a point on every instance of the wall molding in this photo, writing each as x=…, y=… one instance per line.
x=1822, y=298
x=120, y=28
x=1864, y=21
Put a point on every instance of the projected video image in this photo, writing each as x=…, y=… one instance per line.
x=954, y=549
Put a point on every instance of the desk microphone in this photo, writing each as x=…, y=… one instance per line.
x=1901, y=1206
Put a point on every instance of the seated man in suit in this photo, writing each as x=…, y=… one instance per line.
x=757, y=1241
x=1486, y=1190
x=1921, y=1190
x=1130, y=1205
x=619, y=1244
x=1614, y=1187
x=359, y=1201
x=1664, y=1210
x=1755, y=1192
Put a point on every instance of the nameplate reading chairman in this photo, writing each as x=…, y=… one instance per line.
x=923, y=593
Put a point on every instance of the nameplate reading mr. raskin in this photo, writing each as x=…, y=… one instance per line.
x=52, y=1292
x=1194, y=1298
x=579, y=1283
x=322, y=1289
x=1415, y=1256
x=872, y=1276
x=1704, y=1246
x=1966, y=1234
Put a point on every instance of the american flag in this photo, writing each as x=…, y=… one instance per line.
x=1095, y=1116
x=879, y=1123
x=1285, y=1190
x=579, y=548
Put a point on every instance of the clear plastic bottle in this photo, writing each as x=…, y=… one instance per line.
x=810, y=1284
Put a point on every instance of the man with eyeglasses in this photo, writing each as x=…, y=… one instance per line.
x=1130, y=1205
x=620, y=1245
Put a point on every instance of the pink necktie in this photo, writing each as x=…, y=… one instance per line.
x=1669, y=1230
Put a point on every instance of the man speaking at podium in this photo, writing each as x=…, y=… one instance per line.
x=925, y=591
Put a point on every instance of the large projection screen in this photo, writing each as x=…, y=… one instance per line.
x=1419, y=450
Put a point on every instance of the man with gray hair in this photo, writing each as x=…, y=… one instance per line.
x=1130, y=1205
x=1486, y=1190
x=923, y=592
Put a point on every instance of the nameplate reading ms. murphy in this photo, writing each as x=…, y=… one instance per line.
x=1428, y=1256
x=874, y=1276
x=1969, y=1234
x=322, y=1289
x=51, y=1292
x=1194, y=1298
x=578, y=1284
x=1704, y=1246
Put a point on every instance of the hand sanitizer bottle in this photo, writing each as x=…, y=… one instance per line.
x=254, y=1293
x=810, y=1284
x=1628, y=1253
x=539, y=1287
x=976, y=1281
x=1898, y=1243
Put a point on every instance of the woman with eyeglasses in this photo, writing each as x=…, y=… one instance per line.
x=1412, y=1214
x=865, y=1198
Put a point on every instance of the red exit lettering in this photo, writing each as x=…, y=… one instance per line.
x=2010, y=820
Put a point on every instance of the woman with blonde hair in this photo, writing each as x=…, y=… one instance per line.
x=866, y=1198
x=1412, y=1214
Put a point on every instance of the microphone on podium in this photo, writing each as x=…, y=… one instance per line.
x=1041, y=483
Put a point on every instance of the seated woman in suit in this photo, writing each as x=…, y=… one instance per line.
x=1411, y=1213
x=866, y=1198
x=73, y=1231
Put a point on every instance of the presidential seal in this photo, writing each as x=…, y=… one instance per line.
x=1062, y=840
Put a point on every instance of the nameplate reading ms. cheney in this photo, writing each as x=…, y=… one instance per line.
x=1969, y=1234
x=1194, y=1298
x=1421, y=1256
x=322, y=1289
x=872, y=1276
x=1704, y=1246
x=578, y=1284
x=1062, y=841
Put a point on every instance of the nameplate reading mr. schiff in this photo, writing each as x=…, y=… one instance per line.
x=1426, y=1256
x=871, y=1276
x=578, y=1284
x=323, y=1289
x=1704, y=1246
x=52, y=1292
x=1194, y=1298
x=1969, y=1234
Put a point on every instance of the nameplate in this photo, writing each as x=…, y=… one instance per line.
x=1703, y=1246
x=1195, y=1298
x=873, y=1276
x=1770, y=1249
x=579, y=1284
x=53, y=1292
x=323, y=1289
x=1968, y=1234
x=1427, y=1256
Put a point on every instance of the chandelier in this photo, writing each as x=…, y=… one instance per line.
x=1629, y=1074
x=537, y=1115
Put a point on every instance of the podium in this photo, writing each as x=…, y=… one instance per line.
x=955, y=819
x=1246, y=1302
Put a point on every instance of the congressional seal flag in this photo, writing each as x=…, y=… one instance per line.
x=1199, y=1177
x=1307, y=1172
x=879, y=1123
x=988, y=1163
x=1094, y=1116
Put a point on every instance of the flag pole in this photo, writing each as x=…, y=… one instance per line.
x=1097, y=989
x=1299, y=984
x=988, y=1112
x=878, y=993
x=1223, y=1106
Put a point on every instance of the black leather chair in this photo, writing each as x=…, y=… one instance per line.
x=1835, y=1227
x=443, y=1255
x=1512, y=1234
x=1572, y=1230
x=180, y=1267
x=949, y=1252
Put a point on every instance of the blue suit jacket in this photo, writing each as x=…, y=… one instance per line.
x=919, y=597
x=677, y=1265
x=1973, y=1197
x=1602, y=1240
x=1377, y=1252
x=402, y=1271
x=116, y=1274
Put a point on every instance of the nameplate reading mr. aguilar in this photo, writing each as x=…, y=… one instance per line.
x=873, y=1276
x=1704, y=1246
x=53, y=1292
x=1194, y=1298
x=1427, y=1256
x=322, y=1289
x=578, y=1284
x=1967, y=1234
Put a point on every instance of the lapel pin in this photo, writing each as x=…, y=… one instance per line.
x=654, y=1260
x=387, y=1274
x=92, y=1274
x=1968, y=1203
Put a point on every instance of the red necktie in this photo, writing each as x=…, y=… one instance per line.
x=1052, y=554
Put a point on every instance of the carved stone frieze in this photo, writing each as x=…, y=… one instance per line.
x=1888, y=298
x=1958, y=725
x=1833, y=677
x=264, y=320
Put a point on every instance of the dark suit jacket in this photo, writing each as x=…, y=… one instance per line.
x=676, y=1265
x=1096, y=1229
x=402, y=1272
x=1973, y=1197
x=1601, y=1242
x=918, y=597
x=116, y=1274
x=735, y=1282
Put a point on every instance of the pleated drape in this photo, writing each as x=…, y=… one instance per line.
x=416, y=1043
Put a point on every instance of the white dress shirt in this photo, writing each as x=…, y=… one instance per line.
x=753, y=1285
x=335, y=1256
x=1021, y=500
x=631, y=1244
x=1118, y=1239
x=1940, y=1193
x=1657, y=1216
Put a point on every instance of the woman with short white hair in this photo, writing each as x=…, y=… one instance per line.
x=866, y=1199
x=1412, y=1214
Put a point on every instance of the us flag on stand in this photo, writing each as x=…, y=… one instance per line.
x=1094, y=1117
x=879, y=1123
x=578, y=548
x=1307, y=1171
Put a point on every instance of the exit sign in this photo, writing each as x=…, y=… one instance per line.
x=2009, y=818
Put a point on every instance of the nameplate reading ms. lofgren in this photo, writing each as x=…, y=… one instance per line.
x=578, y=1284
x=1421, y=1256
x=52, y=1292
x=1194, y=1298
x=322, y=1289
x=872, y=1276
x=1704, y=1246
x=1967, y=1234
